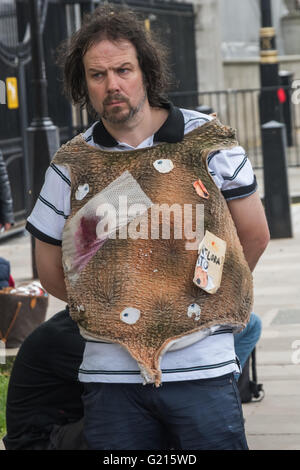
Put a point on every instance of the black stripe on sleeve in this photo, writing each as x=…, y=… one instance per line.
x=51, y=206
x=240, y=192
x=211, y=155
x=63, y=177
x=198, y=118
x=41, y=236
x=238, y=169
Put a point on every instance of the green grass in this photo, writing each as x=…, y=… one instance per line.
x=5, y=370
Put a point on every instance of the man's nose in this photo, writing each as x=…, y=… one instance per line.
x=112, y=82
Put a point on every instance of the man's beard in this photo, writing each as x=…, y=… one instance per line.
x=116, y=115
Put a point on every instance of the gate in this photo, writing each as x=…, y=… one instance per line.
x=14, y=56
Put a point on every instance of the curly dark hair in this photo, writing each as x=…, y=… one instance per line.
x=114, y=23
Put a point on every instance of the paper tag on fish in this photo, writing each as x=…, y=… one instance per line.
x=209, y=266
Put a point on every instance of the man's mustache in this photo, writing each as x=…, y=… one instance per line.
x=111, y=99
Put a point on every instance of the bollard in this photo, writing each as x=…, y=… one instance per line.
x=286, y=79
x=204, y=109
x=277, y=199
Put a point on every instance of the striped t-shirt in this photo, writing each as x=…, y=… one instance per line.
x=232, y=172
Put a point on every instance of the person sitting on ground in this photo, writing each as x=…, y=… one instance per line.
x=44, y=409
x=6, y=279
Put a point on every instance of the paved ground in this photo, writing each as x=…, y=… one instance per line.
x=273, y=423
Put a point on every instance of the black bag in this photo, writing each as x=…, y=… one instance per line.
x=250, y=390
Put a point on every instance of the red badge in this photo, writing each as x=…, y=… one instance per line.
x=201, y=189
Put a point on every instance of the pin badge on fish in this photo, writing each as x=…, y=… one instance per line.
x=82, y=191
x=163, y=165
x=194, y=309
x=201, y=189
x=130, y=315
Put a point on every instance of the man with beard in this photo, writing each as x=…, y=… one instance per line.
x=116, y=69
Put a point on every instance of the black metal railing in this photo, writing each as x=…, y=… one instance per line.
x=240, y=110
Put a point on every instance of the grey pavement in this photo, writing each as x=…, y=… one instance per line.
x=273, y=423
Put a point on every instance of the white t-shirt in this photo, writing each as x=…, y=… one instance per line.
x=212, y=356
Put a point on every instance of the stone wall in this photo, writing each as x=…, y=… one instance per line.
x=216, y=74
x=244, y=73
x=290, y=25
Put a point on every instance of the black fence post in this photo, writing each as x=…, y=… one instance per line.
x=268, y=101
x=277, y=199
x=286, y=79
x=24, y=125
x=43, y=136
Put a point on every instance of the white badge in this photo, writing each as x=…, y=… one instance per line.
x=163, y=165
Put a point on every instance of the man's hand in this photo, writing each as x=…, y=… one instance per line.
x=250, y=220
x=50, y=270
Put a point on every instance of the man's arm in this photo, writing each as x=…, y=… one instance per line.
x=50, y=270
x=249, y=217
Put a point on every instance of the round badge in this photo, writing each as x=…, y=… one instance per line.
x=163, y=165
x=130, y=315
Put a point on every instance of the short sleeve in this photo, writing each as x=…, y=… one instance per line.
x=232, y=172
x=52, y=208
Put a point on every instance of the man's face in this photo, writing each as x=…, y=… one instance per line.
x=114, y=80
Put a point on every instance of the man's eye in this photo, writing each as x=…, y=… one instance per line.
x=123, y=71
x=98, y=75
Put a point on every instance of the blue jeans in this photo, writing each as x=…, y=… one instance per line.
x=245, y=341
x=203, y=414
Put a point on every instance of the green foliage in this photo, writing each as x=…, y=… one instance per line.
x=5, y=370
x=3, y=392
